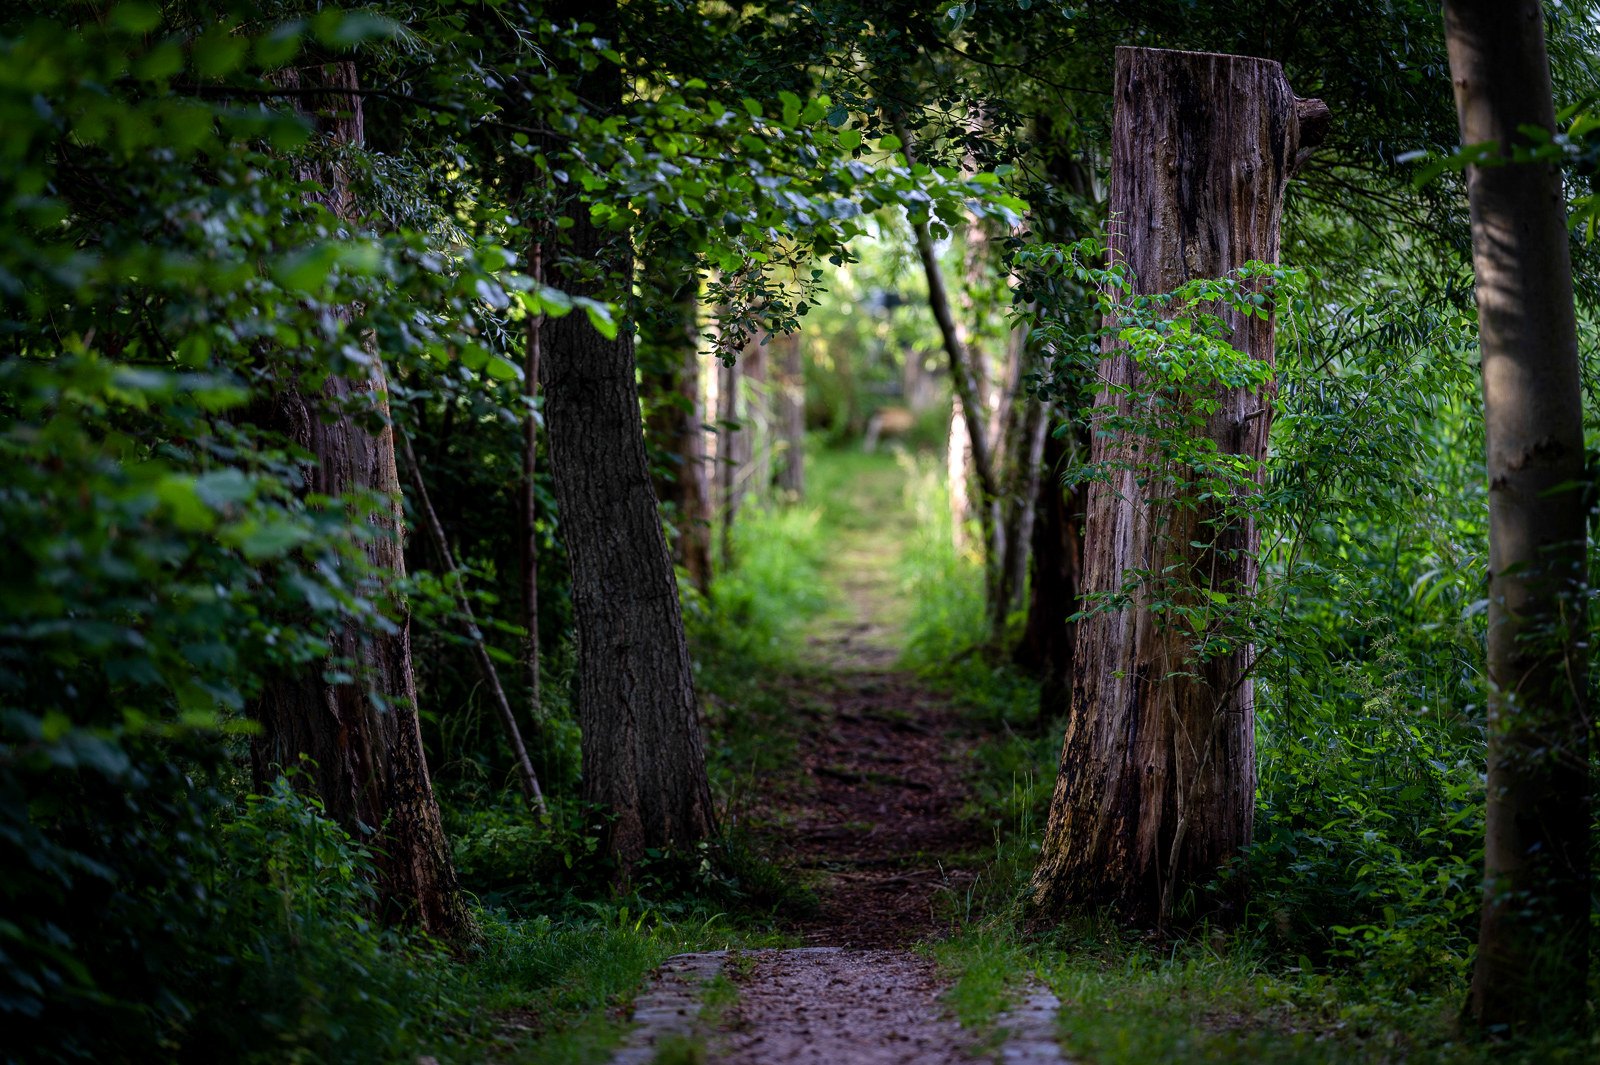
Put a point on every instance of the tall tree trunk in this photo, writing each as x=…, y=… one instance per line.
x=789, y=389
x=643, y=756
x=733, y=443
x=678, y=423
x=1023, y=429
x=1021, y=498
x=526, y=778
x=964, y=378
x=756, y=404
x=528, y=518
x=1533, y=950
x=970, y=403
x=1157, y=780
x=361, y=734
x=1048, y=640
x=958, y=474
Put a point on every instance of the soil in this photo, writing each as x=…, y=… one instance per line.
x=840, y=1006
x=874, y=814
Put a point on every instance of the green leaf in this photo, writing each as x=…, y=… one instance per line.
x=599, y=317
x=307, y=270
x=135, y=16
x=849, y=138
x=219, y=51
x=259, y=540
x=346, y=30
x=502, y=369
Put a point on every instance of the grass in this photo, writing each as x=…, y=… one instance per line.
x=560, y=992
x=1212, y=998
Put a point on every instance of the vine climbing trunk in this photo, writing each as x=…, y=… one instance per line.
x=1157, y=779
x=643, y=757
x=1533, y=944
x=360, y=733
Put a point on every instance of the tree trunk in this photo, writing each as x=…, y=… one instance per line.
x=756, y=405
x=678, y=422
x=1047, y=639
x=1157, y=780
x=733, y=443
x=528, y=519
x=361, y=734
x=1024, y=495
x=958, y=474
x=1532, y=962
x=789, y=388
x=1023, y=433
x=643, y=758
x=526, y=778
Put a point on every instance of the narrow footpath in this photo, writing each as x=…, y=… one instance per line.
x=876, y=816
x=873, y=821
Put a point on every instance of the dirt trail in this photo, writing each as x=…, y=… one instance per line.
x=838, y=1007
x=874, y=818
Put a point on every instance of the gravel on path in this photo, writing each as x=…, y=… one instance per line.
x=830, y=1006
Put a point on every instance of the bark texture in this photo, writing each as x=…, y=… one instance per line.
x=1157, y=779
x=1532, y=958
x=643, y=758
x=361, y=734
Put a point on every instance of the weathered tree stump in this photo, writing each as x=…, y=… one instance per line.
x=1157, y=780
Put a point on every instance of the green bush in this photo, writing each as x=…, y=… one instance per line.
x=296, y=966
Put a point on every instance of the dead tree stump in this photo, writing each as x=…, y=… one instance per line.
x=1157, y=780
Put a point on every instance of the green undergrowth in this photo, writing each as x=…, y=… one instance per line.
x=1212, y=998
x=548, y=980
x=744, y=641
x=553, y=992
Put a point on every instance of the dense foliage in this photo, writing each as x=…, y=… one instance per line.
x=171, y=267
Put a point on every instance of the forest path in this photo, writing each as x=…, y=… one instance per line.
x=876, y=816
x=872, y=815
